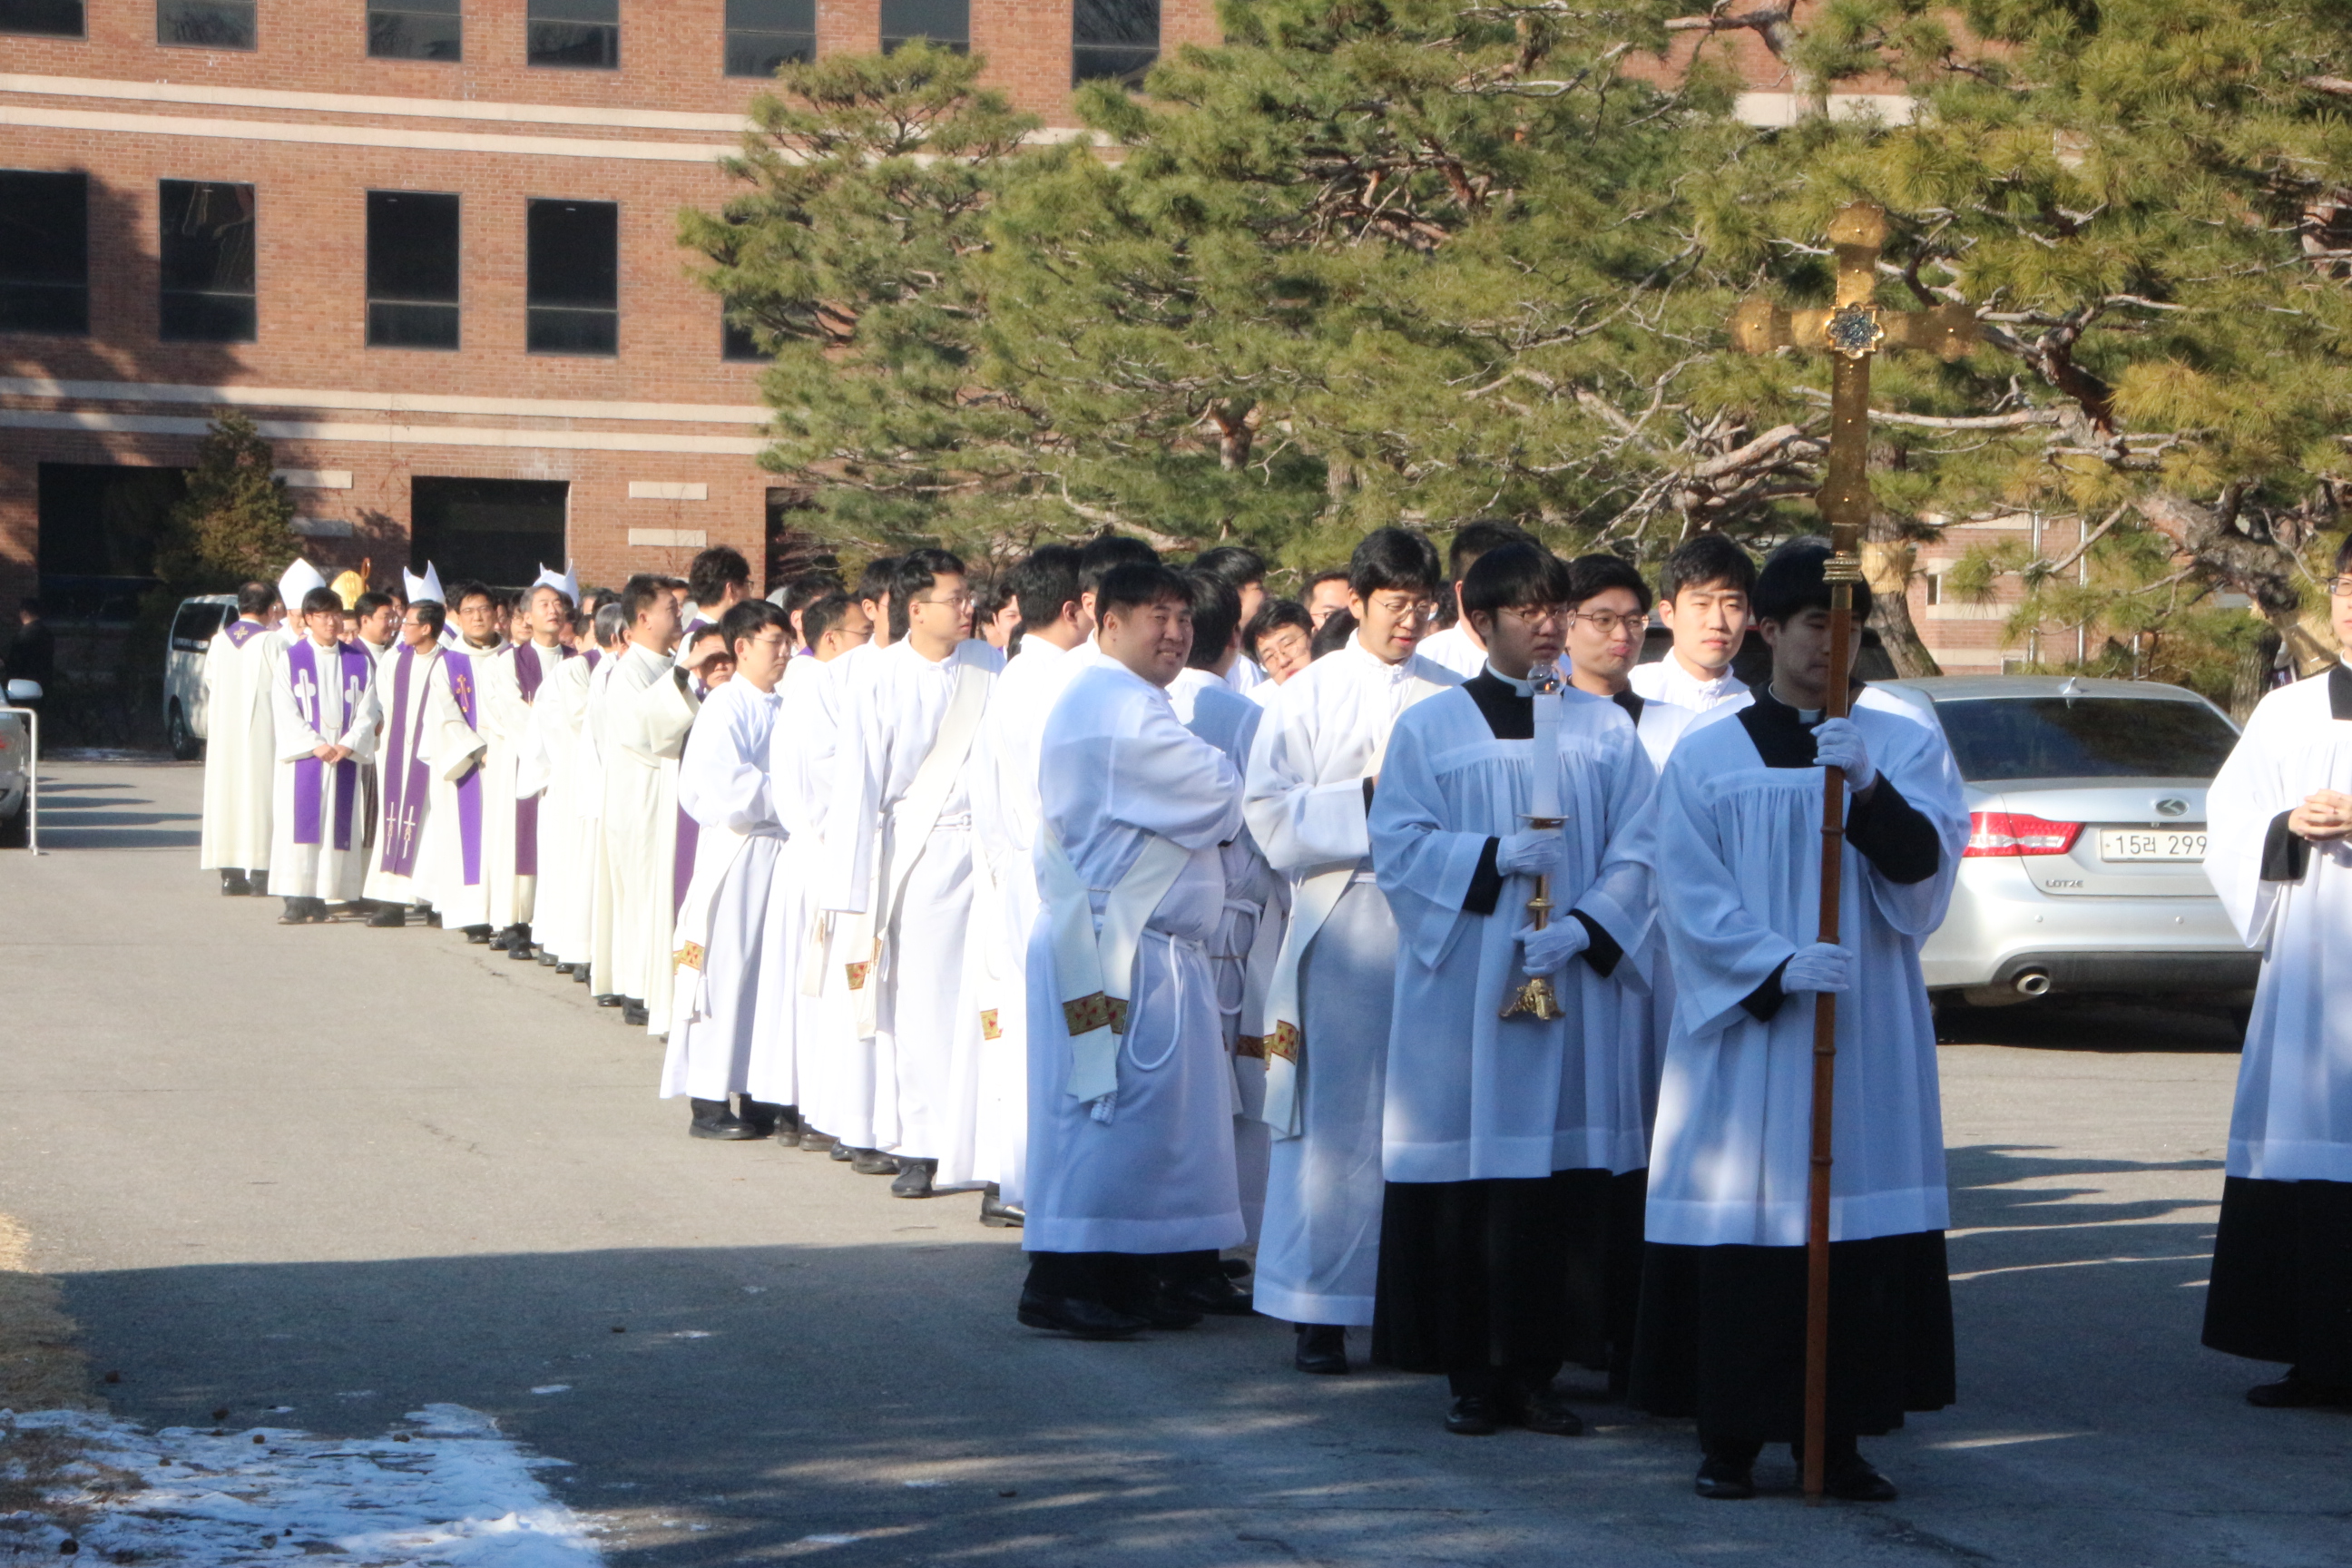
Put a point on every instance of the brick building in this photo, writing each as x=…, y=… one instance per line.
x=429, y=246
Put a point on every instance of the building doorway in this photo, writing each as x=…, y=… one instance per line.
x=101, y=525
x=499, y=531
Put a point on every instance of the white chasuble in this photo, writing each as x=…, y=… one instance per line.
x=648, y=711
x=453, y=868
x=898, y=835
x=730, y=993
x=1471, y=1095
x=1738, y=862
x=403, y=779
x=562, y=896
x=321, y=696
x=1324, y=733
x=240, y=746
x=1147, y=1167
x=2292, y=901
x=832, y=1072
x=597, y=865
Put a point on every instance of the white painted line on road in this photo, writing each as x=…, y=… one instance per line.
x=2005, y=1442
x=2082, y=1263
x=553, y=1388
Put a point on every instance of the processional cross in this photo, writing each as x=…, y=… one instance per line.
x=1852, y=332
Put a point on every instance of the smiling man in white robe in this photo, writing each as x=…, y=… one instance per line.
x=1054, y=621
x=1513, y=1146
x=2280, y=816
x=1312, y=774
x=899, y=834
x=1131, y=1097
x=240, y=742
x=1738, y=862
x=325, y=718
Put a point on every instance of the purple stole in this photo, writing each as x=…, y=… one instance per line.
x=469, y=788
x=681, y=865
x=243, y=632
x=352, y=670
x=406, y=784
x=529, y=673
x=592, y=655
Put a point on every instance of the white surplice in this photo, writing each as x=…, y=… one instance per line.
x=1665, y=680
x=1738, y=862
x=596, y=859
x=1004, y=762
x=731, y=991
x=1453, y=649
x=645, y=716
x=1153, y=1172
x=1245, y=677
x=333, y=707
x=832, y=1069
x=510, y=763
x=240, y=747
x=1324, y=733
x=561, y=896
x=453, y=868
x=1472, y=1096
x=2293, y=1118
x=913, y=880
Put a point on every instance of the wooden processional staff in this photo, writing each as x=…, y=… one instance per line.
x=1852, y=333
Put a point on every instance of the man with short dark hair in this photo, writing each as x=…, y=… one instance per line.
x=797, y=596
x=1281, y=637
x=1129, y=1092
x=1457, y=644
x=1047, y=585
x=467, y=836
x=378, y=615
x=403, y=780
x=1326, y=596
x=1100, y=555
x=873, y=597
x=719, y=579
x=514, y=769
x=324, y=719
x=1312, y=774
x=1738, y=869
x=901, y=843
x=1703, y=596
x=240, y=740
x=1608, y=614
x=1243, y=571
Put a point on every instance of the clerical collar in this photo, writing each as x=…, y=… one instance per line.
x=1520, y=685
x=467, y=645
x=1395, y=673
x=1804, y=715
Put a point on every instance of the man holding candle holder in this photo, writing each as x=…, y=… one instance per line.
x=1513, y=1139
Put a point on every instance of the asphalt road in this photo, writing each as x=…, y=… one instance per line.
x=353, y=1171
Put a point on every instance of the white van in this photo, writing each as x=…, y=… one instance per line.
x=184, y=670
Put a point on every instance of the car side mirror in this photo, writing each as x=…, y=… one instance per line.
x=24, y=691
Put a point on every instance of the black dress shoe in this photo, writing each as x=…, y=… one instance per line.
x=580, y=974
x=500, y=941
x=783, y=1121
x=634, y=1013
x=713, y=1118
x=234, y=885
x=998, y=1215
x=1724, y=1478
x=572, y=969
x=610, y=1001
x=843, y=1153
x=1546, y=1409
x=1213, y=1294
x=546, y=960
x=1160, y=1310
x=1079, y=1319
x=2296, y=1391
x=257, y=883
x=1322, y=1349
x=521, y=951
x=387, y=916
x=814, y=1141
x=1850, y=1478
x=914, y=1179
x=873, y=1162
x=478, y=935
x=1234, y=1267
x=1473, y=1416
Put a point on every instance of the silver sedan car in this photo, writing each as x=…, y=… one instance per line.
x=2086, y=839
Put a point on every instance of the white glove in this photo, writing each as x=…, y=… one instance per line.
x=1548, y=949
x=1537, y=849
x=1837, y=744
x=1824, y=966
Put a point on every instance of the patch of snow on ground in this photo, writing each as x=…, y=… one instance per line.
x=449, y=1494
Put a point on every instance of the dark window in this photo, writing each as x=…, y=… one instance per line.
x=43, y=252
x=195, y=625
x=208, y=262
x=101, y=528
x=736, y=342
x=51, y=18
x=1998, y=739
x=205, y=24
x=416, y=30
x=1114, y=40
x=584, y=35
x=944, y=22
x=574, y=287
x=494, y=530
x=764, y=34
x=411, y=270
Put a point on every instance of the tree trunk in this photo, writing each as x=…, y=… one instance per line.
x=1887, y=562
x=2265, y=572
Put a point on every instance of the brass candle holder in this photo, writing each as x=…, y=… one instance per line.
x=1536, y=999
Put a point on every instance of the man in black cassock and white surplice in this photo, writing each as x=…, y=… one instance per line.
x=1738, y=861
x=1130, y=1094
x=1513, y=1146
x=2279, y=816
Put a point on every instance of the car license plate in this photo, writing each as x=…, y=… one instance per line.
x=2151, y=844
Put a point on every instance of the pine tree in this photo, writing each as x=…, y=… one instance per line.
x=235, y=523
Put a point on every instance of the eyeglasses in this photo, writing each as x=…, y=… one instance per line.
x=1537, y=615
x=1608, y=624
x=953, y=601
x=2340, y=587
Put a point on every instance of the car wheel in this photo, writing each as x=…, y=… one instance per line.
x=184, y=744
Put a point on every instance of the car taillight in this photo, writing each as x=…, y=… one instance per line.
x=2018, y=832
